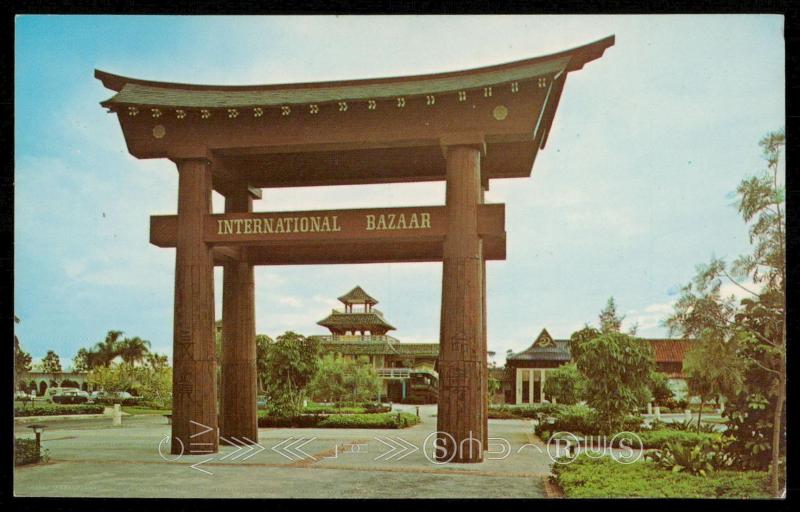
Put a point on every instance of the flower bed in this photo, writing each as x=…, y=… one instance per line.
x=605, y=478
x=56, y=410
x=374, y=420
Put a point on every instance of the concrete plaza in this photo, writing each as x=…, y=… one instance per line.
x=92, y=458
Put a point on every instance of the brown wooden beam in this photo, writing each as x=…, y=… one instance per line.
x=238, y=410
x=462, y=357
x=194, y=403
x=385, y=225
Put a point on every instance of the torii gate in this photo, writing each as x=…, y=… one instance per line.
x=465, y=127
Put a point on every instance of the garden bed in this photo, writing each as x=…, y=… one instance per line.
x=605, y=478
x=56, y=410
x=375, y=420
x=650, y=438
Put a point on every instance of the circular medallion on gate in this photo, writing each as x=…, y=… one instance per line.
x=500, y=112
x=159, y=131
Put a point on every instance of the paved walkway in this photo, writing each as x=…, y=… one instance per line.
x=92, y=458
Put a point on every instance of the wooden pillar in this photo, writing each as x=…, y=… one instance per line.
x=238, y=408
x=531, y=385
x=461, y=357
x=541, y=385
x=484, y=341
x=194, y=381
x=518, y=386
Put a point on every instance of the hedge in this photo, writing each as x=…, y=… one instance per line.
x=659, y=438
x=25, y=452
x=374, y=420
x=605, y=478
x=121, y=401
x=532, y=411
x=338, y=409
x=650, y=439
x=56, y=410
x=379, y=420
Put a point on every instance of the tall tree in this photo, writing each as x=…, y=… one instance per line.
x=759, y=319
x=133, y=350
x=108, y=349
x=51, y=362
x=617, y=370
x=156, y=361
x=22, y=359
x=714, y=368
x=610, y=321
x=291, y=364
x=263, y=342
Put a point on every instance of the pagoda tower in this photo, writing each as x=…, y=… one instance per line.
x=363, y=320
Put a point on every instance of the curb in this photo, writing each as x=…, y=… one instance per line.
x=31, y=419
x=551, y=490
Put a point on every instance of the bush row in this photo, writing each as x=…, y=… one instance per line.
x=532, y=411
x=56, y=410
x=121, y=401
x=25, y=452
x=374, y=420
x=339, y=409
x=650, y=439
x=605, y=478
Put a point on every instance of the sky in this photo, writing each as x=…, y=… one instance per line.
x=635, y=187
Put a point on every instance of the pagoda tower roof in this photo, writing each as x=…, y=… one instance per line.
x=371, y=320
x=357, y=296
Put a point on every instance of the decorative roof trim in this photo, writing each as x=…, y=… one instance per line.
x=133, y=91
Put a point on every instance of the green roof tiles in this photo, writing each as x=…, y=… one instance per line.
x=357, y=296
x=411, y=349
x=170, y=95
x=358, y=320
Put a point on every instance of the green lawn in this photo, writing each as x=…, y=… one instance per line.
x=135, y=409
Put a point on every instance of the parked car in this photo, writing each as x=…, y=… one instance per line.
x=68, y=396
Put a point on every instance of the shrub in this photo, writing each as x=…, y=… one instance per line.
x=156, y=404
x=57, y=410
x=69, y=399
x=660, y=438
x=121, y=401
x=565, y=384
x=361, y=408
x=25, y=452
x=375, y=420
x=531, y=411
x=381, y=420
x=698, y=459
x=576, y=419
x=268, y=421
x=605, y=478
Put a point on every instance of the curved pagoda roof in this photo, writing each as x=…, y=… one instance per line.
x=151, y=93
x=341, y=321
x=349, y=132
x=357, y=296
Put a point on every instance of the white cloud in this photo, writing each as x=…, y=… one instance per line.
x=291, y=301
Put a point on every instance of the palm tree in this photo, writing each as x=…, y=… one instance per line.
x=133, y=350
x=155, y=360
x=106, y=350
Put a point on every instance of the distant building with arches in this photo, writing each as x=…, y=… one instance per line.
x=42, y=381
